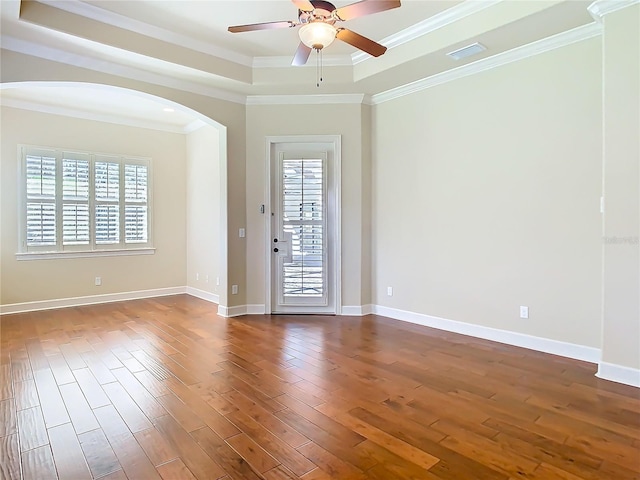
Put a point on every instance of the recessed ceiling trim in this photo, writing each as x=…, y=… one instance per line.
x=90, y=115
x=600, y=8
x=324, y=99
x=120, y=21
x=48, y=53
x=550, y=43
x=285, y=62
x=442, y=19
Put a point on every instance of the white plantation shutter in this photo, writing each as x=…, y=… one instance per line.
x=75, y=198
x=107, y=198
x=83, y=202
x=135, y=210
x=41, y=172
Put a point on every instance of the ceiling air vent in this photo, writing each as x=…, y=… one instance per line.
x=467, y=51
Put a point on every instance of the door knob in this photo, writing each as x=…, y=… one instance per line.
x=275, y=240
x=275, y=250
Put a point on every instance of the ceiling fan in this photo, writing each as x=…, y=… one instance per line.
x=317, y=20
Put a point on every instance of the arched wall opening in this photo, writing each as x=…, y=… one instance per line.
x=189, y=169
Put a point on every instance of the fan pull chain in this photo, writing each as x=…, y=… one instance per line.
x=318, y=66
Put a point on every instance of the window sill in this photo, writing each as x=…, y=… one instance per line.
x=86, y=254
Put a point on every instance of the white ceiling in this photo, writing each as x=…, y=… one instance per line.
x=185, y=43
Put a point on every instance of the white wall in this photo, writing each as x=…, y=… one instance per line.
x=39, y=280
x=203, y=209
x=486, y=197
x=621, y=313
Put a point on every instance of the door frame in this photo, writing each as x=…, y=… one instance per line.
x=334, y=142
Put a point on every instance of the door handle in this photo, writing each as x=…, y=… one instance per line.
x=275, y=250
x=275, y=240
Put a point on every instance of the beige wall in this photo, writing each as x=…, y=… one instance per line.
x=621, y=313
x=203, y=209
x=486, y=197
x=15, y=67
x=34, y=280
x=345, y=120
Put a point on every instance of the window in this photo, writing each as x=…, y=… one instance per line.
x=84, y=202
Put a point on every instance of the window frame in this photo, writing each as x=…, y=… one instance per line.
x=93, y=247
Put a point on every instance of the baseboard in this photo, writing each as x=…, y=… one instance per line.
x=258, y=309
x=555, y=347
x=356, y=310
x=208, y=296
x=232, y=311
x=88, y=300
x=619, y=374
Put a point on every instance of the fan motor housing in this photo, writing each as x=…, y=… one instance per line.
x=321, y=13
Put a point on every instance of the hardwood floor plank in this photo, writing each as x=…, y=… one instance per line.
x=53, y=408
x=37, y=464
x=217, y=422
x=269, y=421
x=32, y=431
x=91, y=389
x=249, y=450
x=135, y=419
x=9, y=457
x=26, y=394
x=269, y=397
x=7, y=417
x=130, y=454
x=175, y=470
x=99, y=370
x=60, y=369
x=67, y=454
x=138, y=393
x=196, y=460
x=281, y=451
x=81, y=414
x=155, y=446
x=6, y=381
x=231, y=462
x=333, y=466
x=181, y=412
x=71, y=355
x=36, y=354
x=98, y=453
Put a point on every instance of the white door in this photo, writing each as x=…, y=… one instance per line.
x=303, y=236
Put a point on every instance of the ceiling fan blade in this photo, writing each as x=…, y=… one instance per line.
x=363, y=43
x=261, y=26
x=366, y=7
x=301, y=56
x=304, y=5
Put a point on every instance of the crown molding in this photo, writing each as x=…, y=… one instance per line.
x=111, y=68
x=285, y=62
x=120, y=21
x=323, y=99
x=550, y=43
x=600, y=8
x=442, y=19
x=91, y=115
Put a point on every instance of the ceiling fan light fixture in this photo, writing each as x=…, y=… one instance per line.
x=317, y=35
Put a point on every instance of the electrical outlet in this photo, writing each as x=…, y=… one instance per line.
x=98, y=281
x=524, y=312
x=197, y=276
x=218, y=281
x=241, y=233
x=390, y=291
x=234, y=289
x=206, y=278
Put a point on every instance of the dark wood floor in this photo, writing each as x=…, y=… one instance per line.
x=164, y=388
